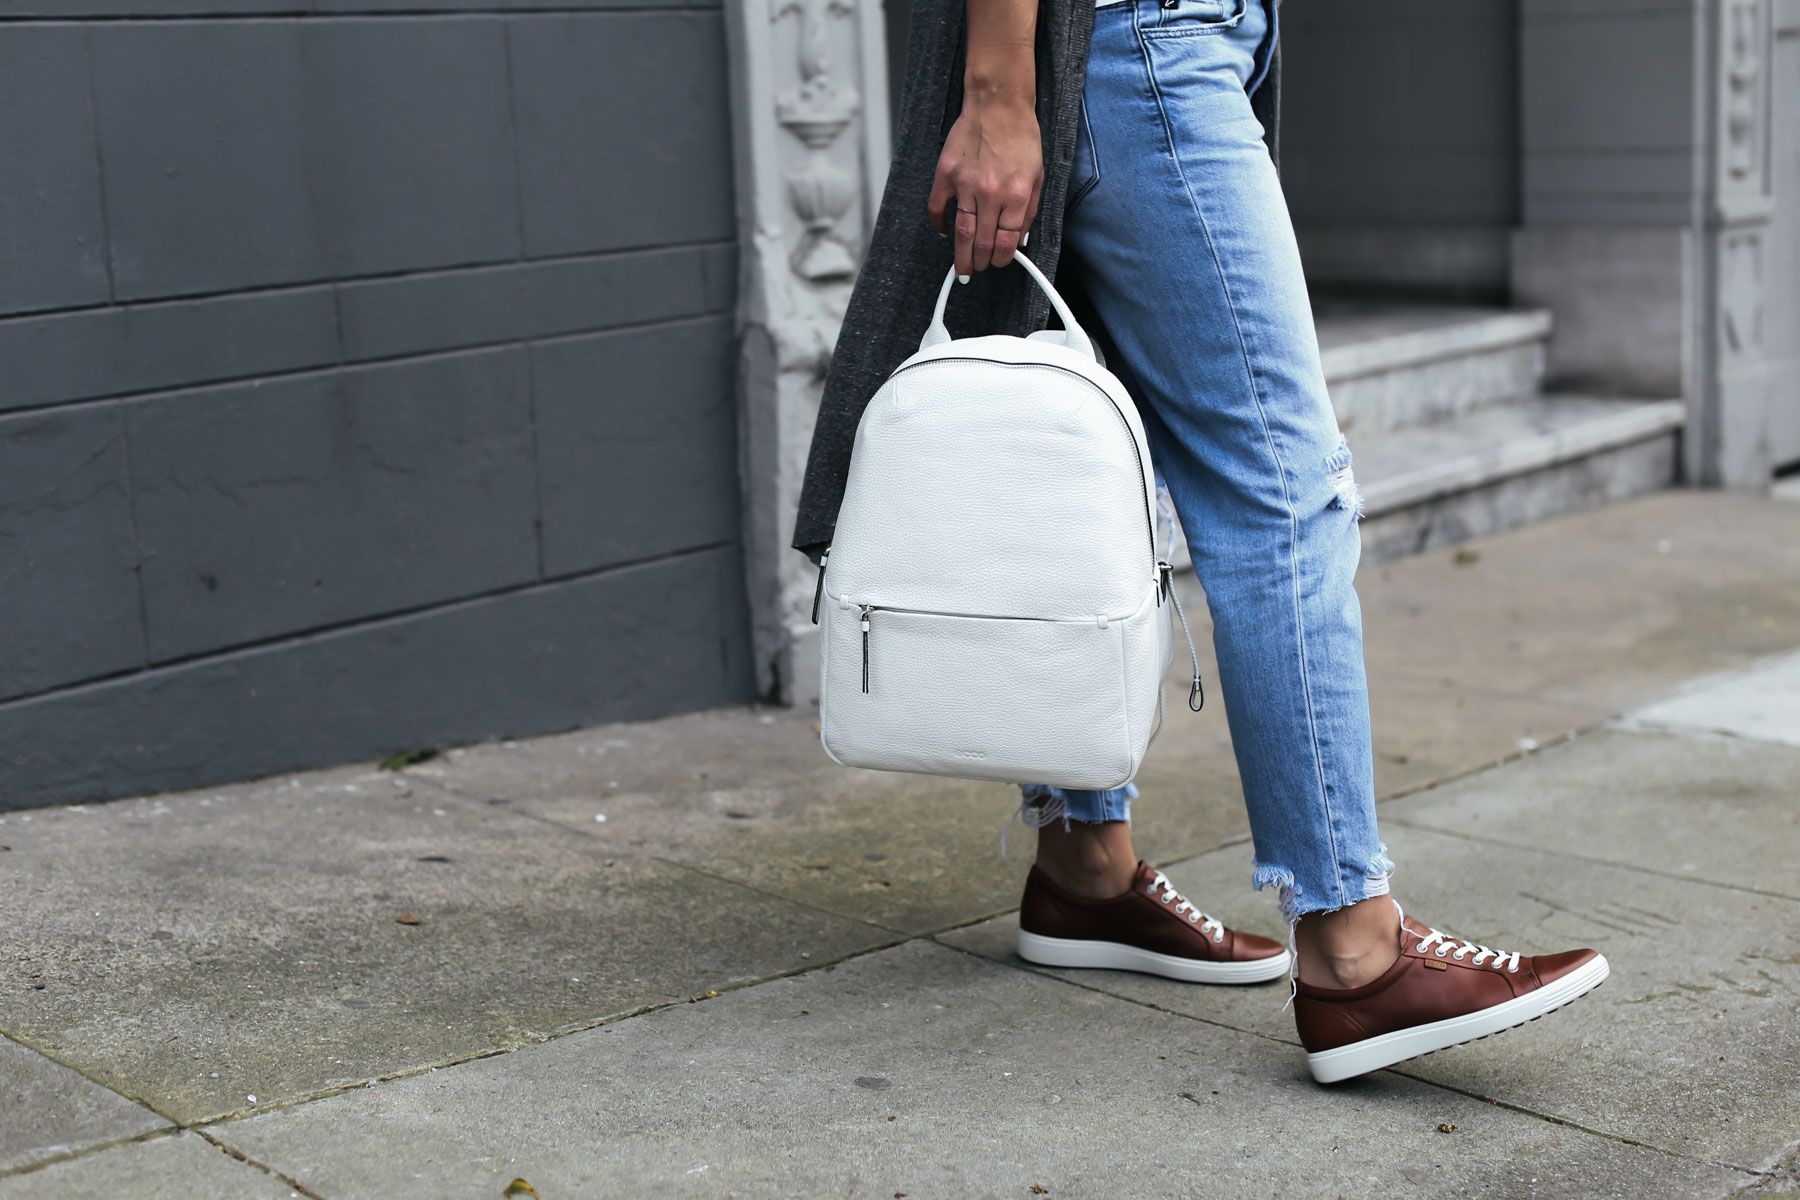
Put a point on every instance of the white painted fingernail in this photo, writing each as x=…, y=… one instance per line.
x=1025, y=239
x=962, y=279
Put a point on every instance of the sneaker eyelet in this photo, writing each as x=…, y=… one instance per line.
x=1442, y=950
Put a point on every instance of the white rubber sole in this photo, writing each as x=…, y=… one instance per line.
x=1116, y=956
x=1372, y=1054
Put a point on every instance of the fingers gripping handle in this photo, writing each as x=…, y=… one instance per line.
x=1074, y=337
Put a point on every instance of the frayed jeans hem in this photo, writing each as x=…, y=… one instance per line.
x=1296, y=900
x=1041, y=804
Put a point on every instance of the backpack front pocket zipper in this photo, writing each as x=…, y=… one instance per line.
x=867, y=611
x=990, y=697
x=1164, y=590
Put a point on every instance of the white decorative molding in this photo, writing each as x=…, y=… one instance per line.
x=1741, y=293
x=817, y=112
x=810, y=116
x=1743, y=75
x=1729, y=445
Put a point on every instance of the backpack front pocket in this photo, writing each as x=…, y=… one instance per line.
x=984, y=697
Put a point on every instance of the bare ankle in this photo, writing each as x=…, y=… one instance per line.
x=1346, y=970
x=1094, y=860
x=1350, y=946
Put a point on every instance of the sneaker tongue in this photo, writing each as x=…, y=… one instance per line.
x=1416, y=927
x=1145, y=873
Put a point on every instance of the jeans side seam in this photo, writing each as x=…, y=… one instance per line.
x=1087, y=127
x=1280, y=470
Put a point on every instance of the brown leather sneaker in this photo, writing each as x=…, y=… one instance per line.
x=1442, y=991
x=1149, y=928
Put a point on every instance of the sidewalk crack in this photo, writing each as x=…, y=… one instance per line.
x=1482, y=840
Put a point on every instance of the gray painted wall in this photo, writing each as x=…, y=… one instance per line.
x=1401, y=112
x=1400, y=140
x=365, y=381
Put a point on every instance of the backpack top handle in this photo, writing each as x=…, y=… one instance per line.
x=1070, y=335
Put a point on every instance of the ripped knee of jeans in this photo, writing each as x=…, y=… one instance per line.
x=1343, y=480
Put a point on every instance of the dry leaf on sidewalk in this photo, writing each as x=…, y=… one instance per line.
x=519, y=1187
x=408, y=919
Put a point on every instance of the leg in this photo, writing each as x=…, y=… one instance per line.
x=1349, y=947
x=1084, y=838
x=1184, y=245
x=1184, y=242
x=1091, y=902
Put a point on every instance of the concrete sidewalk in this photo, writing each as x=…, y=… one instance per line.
x=693, y=958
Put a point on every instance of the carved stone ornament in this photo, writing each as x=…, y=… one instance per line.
x=1744, y=79
x=817, y=112
x=1741, y=292
x=810, y=126
x=821, y=194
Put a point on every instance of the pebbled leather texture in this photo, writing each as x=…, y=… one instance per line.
x=997, y=531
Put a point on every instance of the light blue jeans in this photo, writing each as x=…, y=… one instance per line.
x=1178, y=230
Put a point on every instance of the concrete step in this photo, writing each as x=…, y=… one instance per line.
x=1392, y=366
x=1506, y=465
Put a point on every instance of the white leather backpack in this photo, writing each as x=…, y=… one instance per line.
x=992, y=605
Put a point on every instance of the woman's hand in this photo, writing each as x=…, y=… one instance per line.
x=992, y=165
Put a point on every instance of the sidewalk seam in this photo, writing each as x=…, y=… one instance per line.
x=63, y=1156
x=1461, y=773
x=1028, y=969
x=1406, y=823
x=170, y=1126
x=1576, y=1125
x=264, y=1167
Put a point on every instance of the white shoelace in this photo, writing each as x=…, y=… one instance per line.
x=1210, y=926
x=1443, y=941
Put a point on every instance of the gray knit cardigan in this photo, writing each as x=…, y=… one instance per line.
x=896, y=289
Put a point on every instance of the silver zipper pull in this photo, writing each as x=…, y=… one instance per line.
x=866, y=610
x=819, y=591
x=1197, y=693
